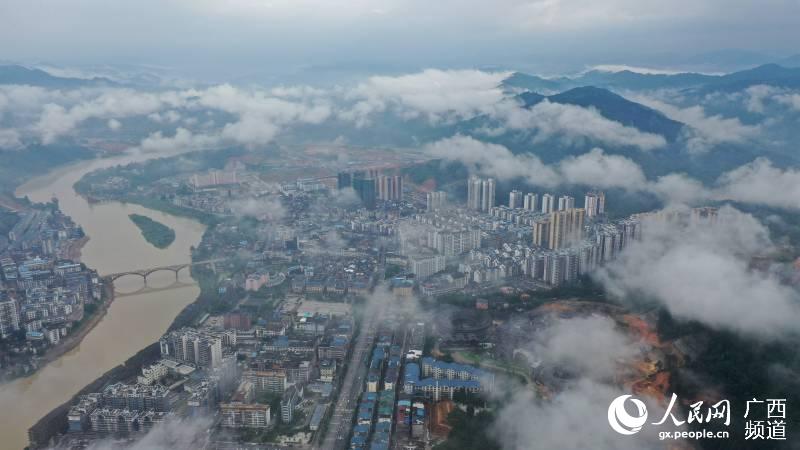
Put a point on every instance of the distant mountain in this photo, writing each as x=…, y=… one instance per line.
x=786, y=74
x=627, y=79
x=613, y=107
x=771, y=74
x=792, y=61
x=725, y=60
x=14, y=74
x=521, y=80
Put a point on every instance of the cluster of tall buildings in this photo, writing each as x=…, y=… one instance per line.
x=371, y=186
x=559, y=229
x=202, y=349
x=435, y=200
x=214, y=178
x=480, y=193
x=594, y=204
x=44, y=296
x=547, y=204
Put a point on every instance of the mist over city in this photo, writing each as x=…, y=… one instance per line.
x=395, y=224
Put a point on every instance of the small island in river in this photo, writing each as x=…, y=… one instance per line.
x=156, y=233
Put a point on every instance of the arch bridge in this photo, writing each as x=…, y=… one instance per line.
x=176, y=268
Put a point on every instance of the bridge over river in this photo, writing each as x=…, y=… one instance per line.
x=176, y=268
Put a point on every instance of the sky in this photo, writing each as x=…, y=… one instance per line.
x=221, y=41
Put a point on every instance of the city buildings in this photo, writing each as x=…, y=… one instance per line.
x=531, y=202
x=548, y=203
x=594, y=204
x=515, y=199
x=425, y=266
x=435, y=200
x=344, y=180
x=389, y=187
x=9, y=318
x=566, y=202
x=437, y=378
x=565, y=227
x=214, y=178
x=365, y=189
x=192, y=346
x=245, y=415
x=480, y=193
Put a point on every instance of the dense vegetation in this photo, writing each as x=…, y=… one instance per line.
x=470, y=431
x=19, y=165
x=156, y=233
x=7, y=221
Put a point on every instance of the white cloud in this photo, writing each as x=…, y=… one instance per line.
x=598, y=169
x=635, y=69
x=182, y=140
x=9, y=139
x=705, y=131
x=575, y=124
x=762, y=183
x=494, y=160
x=172, y=434
x=757, y=97
x=711, y=261
x=264, y=208
x=57, y=120
x=449, y=95
x=591, y=350
x=758, y=182
x=594, y=168
x=114, y=124
x=437, y=95
x=573, y=419
x=590, y=346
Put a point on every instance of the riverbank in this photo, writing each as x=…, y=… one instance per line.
x=75, y=248
x=85, y=326
x=128, y=324
x=47, y=429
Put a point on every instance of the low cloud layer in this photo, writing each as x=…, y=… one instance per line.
x=574, y=124
x=437, y=95
x=701, y=272
x=590, y=346
x=575, y=417
x=705, y=131
x=253, y=117
x=759, y=182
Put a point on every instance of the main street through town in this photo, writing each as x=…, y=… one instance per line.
x=347, y=402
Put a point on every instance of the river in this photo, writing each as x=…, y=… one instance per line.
x=132, y=321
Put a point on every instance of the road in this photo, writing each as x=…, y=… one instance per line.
x=347, y=401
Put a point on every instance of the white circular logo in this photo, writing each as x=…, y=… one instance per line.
x=621, y=421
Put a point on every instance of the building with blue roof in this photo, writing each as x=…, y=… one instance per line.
x=444, y=378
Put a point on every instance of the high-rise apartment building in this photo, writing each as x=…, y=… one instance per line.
x=435, y=200
x=515, y=199
x=423, y=267
x=541, y=232
x=487, y=197
x=594, y=204
x=344, y=180
x=548, y=203
x=566, y=202
x=389, y=187
x=531, y=202
x=565, y=227
x=365, y=189
x=192, y=346
x=9, y=317
x=480, y=193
